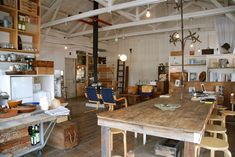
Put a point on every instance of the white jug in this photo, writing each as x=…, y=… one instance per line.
x=44, y=104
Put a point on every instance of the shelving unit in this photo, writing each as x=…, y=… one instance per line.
x=32, y=31
x=106, y=75
x=207, y=63
x=193, y=66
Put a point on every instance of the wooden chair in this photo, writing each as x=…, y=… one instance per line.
x=92, y=96
x=118, y=131
x=225, y=114
x=216, y=129
x=214, y=118
x=213, y=144
x=109, y=98
x=146, y=92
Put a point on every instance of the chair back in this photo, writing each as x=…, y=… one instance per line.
x=107, y=95
x=91, y=94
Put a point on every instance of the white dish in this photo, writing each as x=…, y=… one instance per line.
x=167, y=107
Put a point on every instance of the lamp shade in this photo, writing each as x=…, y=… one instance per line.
x=123, y=57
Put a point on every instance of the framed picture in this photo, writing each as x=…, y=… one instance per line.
x=177, y=83
x=192, y=76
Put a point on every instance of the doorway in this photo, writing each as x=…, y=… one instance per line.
x=70, y=77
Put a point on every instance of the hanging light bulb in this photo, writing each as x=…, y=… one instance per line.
x=191, y=45
x=123, y=57
x=199, y=50
x=65, y=47
x=119, y=55
x=116, y=39
x=148, y=14
x=177, y=35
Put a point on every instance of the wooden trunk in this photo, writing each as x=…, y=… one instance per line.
x=64, y=136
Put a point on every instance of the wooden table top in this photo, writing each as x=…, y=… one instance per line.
x=190, y=117
x=24, y=120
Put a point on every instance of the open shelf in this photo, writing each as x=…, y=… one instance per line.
x=5, y=29
x=27, y=13
x=19, y=62
x=20, y=51
x=7, y=8
x=27, y=33
x=189, y=65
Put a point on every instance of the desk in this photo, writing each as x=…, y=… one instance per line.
x=185, y=124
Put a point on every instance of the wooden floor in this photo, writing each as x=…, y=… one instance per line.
x=89, y=137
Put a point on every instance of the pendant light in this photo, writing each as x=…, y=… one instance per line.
x=148, y=14
x=123, y=57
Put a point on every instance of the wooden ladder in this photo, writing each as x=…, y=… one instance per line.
x=120, y=75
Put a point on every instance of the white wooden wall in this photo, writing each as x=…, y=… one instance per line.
x=151, y=50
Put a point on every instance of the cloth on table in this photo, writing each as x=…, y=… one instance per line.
x=59, y=111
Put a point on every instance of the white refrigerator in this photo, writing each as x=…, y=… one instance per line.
x=22, y=89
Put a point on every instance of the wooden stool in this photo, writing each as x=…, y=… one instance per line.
x=216, y=129
x=215, y=118
x=117, y=131
x=213, y=144
x=225, y=114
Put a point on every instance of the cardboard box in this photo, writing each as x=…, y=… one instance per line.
x=44, y=70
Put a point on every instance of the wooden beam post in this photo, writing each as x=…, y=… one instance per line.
x=95, y=42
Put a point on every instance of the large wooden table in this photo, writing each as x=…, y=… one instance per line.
x=186, y=123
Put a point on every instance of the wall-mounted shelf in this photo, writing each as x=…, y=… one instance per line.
x=25, y=13
x=18, y=62
x=189, y=65
x=20, y=51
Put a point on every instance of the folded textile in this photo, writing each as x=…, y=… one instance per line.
x=59, y=111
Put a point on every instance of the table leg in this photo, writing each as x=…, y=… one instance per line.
x=105, y=142
x=189, y=149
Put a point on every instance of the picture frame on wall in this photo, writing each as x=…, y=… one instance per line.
x=192, y=76
x=177, y=83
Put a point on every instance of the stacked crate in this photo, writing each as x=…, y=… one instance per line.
x=44, y=67
x=14, y=140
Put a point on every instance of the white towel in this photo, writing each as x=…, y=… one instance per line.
x=59, y=111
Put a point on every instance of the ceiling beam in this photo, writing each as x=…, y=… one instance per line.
x=55, y=5
x=217, y=11
x=116, y=7
x=218, y=5
x=53, y=18
x=120, y=12
x=154, y=32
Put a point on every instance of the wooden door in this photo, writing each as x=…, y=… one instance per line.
x=70, y=77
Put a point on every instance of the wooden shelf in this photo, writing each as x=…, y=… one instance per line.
x=20, y=51
x=228, y=68
x=27, y=33
x=5, y=29
x=19, y=62
x=27, y=13
x=7, y=8
x=189, y=65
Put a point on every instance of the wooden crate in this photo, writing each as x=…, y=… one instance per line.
x=14, y=140
x=28, y=6
x=41, y=63
x=168, y=148
x=176, y=53
x=64, y=136
x=44, y=70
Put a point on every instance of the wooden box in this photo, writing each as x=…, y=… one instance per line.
x=64, y=136
x=44, y=70
x=14, y=140
x=169, y=148
x=41, y=63
x=176, y=53
x=28, y=6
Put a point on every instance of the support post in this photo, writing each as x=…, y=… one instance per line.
x=95, y=42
